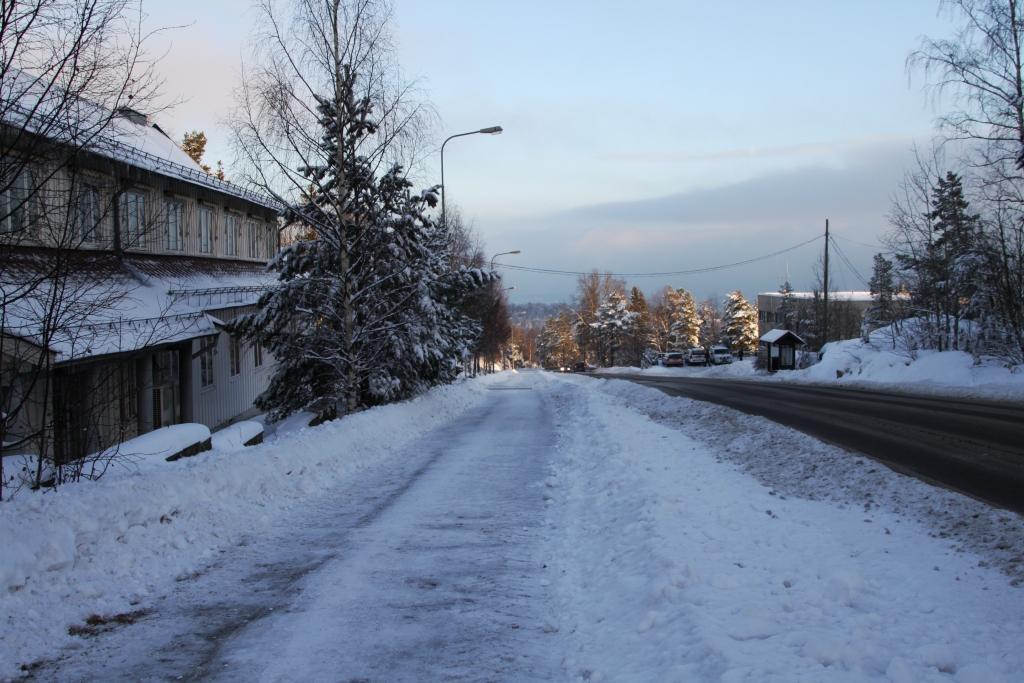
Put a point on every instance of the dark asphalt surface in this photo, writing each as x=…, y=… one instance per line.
x=975, y=447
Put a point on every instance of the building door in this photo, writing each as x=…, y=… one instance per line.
x=165, y=389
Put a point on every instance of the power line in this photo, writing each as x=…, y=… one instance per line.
x=859, y=244
x=693, y=271
x=849, y=265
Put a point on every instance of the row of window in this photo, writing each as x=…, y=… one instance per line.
x=141, y=227
x=206, y=374
x=23, y=205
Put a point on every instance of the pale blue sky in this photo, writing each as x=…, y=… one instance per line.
x=642, y=136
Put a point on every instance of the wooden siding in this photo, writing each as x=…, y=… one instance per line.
x=229, y=396
x=113, y=178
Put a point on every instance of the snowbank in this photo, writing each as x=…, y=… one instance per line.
x=738, y=368
x=876, y=364
x=100, y=547
x=672, y=562
x=151, y=450
x=234, y=437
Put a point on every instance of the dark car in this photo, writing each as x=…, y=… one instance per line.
x=580, y=367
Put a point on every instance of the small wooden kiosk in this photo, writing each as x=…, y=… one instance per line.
x=777, y=350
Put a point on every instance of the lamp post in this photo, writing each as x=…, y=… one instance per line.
x=504, y=253
x=490, y=130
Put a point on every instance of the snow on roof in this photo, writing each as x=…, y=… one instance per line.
x=127, y=305
x=845, y=296
x=28, y=102
x=773, y=336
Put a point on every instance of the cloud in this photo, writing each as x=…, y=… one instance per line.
x=704, y=227
x=859, y=186
x=809, y=150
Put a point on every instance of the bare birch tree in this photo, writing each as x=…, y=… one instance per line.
x=68, y=69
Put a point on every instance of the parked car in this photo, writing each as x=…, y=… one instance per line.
x=696, y=356
x=720, y=355
x=671, y=360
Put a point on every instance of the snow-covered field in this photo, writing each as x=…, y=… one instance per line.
x=658, y=538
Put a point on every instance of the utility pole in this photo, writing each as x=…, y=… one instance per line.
x=824, y=336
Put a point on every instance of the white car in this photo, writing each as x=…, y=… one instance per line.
x=696, y=356
x=720, y=355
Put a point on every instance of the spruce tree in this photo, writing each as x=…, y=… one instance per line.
x=641, y=338
x=366, y=307
x=614, y=327
x=952, y=261
x=883, y=295
x=741, y=323
x=786, y=313
x=684, y=323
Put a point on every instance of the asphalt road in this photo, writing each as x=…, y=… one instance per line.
x=974, y=447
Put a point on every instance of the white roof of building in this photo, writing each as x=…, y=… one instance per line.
x=837, y=296
x=129, y=304
x=26, y=102
x=773, y=336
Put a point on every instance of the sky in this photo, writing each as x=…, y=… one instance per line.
x=639, y=137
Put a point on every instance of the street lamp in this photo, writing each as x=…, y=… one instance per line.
x=504, y=253
x=490, y=130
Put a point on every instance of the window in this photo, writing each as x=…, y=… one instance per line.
x=17, y=206
x=165, y=367
x=133, y=218
x=87, y=213
x=230, y=234
x=257, y=354
x=127, y=394
x=251, y=230
x=175, y=225
x=235, y=354
x=206, y=230
x=207, y=345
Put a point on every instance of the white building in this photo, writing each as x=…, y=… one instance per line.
x=847, y=310
x=117, y=273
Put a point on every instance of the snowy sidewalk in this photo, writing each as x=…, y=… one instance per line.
x=428, y=568
x=442, y=581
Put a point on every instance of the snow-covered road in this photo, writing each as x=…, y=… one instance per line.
x=567, y=528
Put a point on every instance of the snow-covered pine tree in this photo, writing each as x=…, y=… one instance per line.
x=740, y=323
x=613, y=327
x=557, y=343
x=953, y=258
x=684, y=323
x=786, y=313
x=364, y=310
x=883, y=294
x=641, y=337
